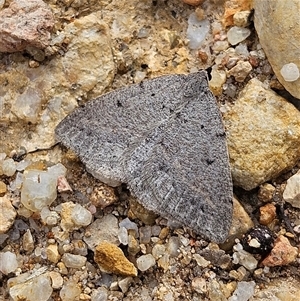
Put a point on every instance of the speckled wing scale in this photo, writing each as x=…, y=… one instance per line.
x=165, y=138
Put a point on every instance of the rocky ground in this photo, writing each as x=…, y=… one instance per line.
x=66, y=236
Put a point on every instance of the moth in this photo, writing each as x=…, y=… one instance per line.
x=165, y=139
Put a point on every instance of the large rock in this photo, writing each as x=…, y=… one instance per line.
x=25, y=23
x=263, y=135
x=277, y=24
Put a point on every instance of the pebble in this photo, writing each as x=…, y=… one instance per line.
x=267, y=214
x=111, y=259
x=52, y=253
x=193, y=2
x=218, y=79
x=133, y=246
x=241, y=223
x=99, y=294
x=241, y=18
x=7, y=214
x=8, y=262
x=145, y=262
x=199, y=285
x=125, y=283
x=70, y=291
x=291, y=193
x=266, y=192
x=280, y=36
x=102, y=229
x=281, y=254
x=20, y=24
x=9, y=167
x=37, y=288
x=103, y=195
x=81, y=216
x=201, y=261
x=39, y=187
x=158, y=251
x=73, y=261
x=243, y=292
x=237, y=34
x=234, y=6
x=244, y=258
x=290, y=72
x=197, y=31
x=3, y=188
x=28, y=242
x=56, y=279
x=173, y=246
x=257, y=106
x=145, y=234
x=240, y=71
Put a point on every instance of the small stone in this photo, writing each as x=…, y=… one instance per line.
x=100, y=294
x=201, y=261
x=28, y=242
x=158, y=251
x=281, y=254
x=133, y=246
x=123, y=236
x=241, y=18
x=7, y=214
x=138, y=211
x=52, y=253
x=70, y=291
x=237, y=34
x=129, y=225
x=240, y=71
x=2, y=188
x=164, y=233
x=102, y=229
x=267, y=214
x=73, y=261
x=103, y=196
x=244, y=258
x=234, y=6
x=216, y=256
x=81, y=216
x=164, y=262
x=241, y=223
x=80, y=248
x=25, y=23
x=290, y=72
x=193, y=2
x=291, y=193
x=266, y=192
x=173, y=246
x=9, y=167
x=56, y=279
x=39, y=188
x=197, y=31
x=218, y=79
x=145, y=262
x=199, y=285
x=63, y=185
x=243, y=292
x=111, y=259
x=258, y=240
x=145, y=234
x=37, y=288
x=8, y=262
x=125, y=283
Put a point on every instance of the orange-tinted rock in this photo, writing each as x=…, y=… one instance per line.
x=267, y=214
x=111, y=259
x=282, y=253
x=234, y=6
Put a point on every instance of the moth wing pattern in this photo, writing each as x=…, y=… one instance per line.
x=165, y=138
